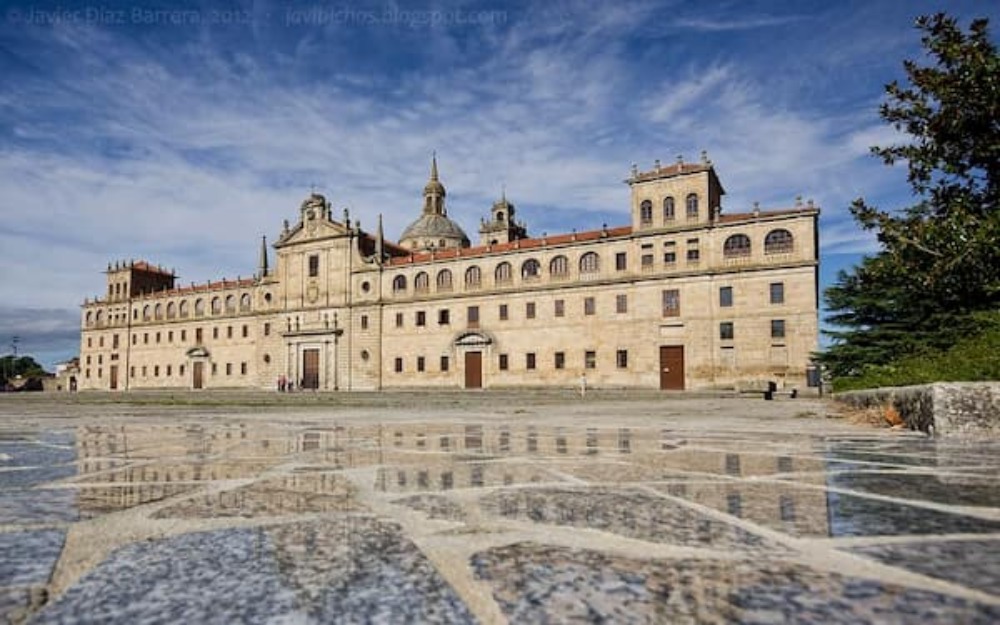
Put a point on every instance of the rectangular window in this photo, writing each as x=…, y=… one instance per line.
x=777, y=328
x=246, y=331
x=726, y=330
x=399, y=365
x=590, y=359
x=647, y=261
x=184, y=336
x=472, y=316
x=725, y=296
x=560, y=307
x=267, y=329
x=621, y=358
x=529, y=360
x=215, y=368
x=114, y=342
x=560, y=360
x=243, y=368
x=671, y=303
x=621, y=303
x=364, y=322
x=503, y=362
x=135, y=340
x=693, y=255
x=170, y=336
x=90, y=341
x=621, y=261
x=145, y=338
x=444, y=317
x=420, y=363
x=215, y=333
x=444, y=363
x=157, y=337
x=229, y=332
x=229, y=368
x=589, y=306
x=529, y=310
x=131, y=372
x=421, y=318
x=777, y=292
x=180, y=370
x=197, y=335
x=399, y=320
x=314, y=265
x=503, y=312
x=168, y=370
x=156, y=371
x=144, y=371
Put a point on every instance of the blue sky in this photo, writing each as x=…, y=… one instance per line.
x=182, y=132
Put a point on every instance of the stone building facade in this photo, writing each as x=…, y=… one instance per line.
x=686, y=296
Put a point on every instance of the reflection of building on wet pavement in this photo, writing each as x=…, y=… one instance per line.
x=138, y=464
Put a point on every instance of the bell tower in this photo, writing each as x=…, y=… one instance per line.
x=501, y=227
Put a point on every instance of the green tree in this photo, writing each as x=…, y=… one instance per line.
x=940, y=259
x=11, y=367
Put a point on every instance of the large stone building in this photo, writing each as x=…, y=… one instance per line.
x=684, y=297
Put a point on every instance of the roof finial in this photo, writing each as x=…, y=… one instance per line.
x=434, y=165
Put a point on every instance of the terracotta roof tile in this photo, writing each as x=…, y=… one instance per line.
x=520, y=244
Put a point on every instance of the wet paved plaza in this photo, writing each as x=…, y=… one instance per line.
x=491, y=510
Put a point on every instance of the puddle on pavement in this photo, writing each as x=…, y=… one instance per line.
x=312, y=520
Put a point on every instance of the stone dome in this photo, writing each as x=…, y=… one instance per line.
x=430, y=229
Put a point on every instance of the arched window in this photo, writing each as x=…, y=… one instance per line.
x=171, y=310
x=559, y=266
x=146, y=312
x=245, y=301
x=590, y=263
x=778, y=241
x=422, y=282
x=736, y=246
x=692, y=206
x=216, y=306
x=530, y=270
x=90, y=317
x=99, y=318
x=444, y=280
x=183, y=309
x=158, y=312
x=668, y=208
x=503, y=273
x=199, y=307
x=399, y=284
x=646, y=212
x=230, y=303
x=473, y=277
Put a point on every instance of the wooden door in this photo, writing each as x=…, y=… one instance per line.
x=310, y=368
x=473, y=369
x=198, y=372
x=672, y=368
x=114, y=377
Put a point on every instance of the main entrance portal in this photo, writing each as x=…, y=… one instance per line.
x=310, y=368
x=672, y=368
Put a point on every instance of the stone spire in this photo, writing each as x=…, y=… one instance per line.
x=434, y=192
x=262, y=268
x=379, y=241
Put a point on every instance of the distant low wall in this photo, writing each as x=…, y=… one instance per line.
x=950, y=408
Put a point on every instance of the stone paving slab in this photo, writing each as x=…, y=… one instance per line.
x=487, y=508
